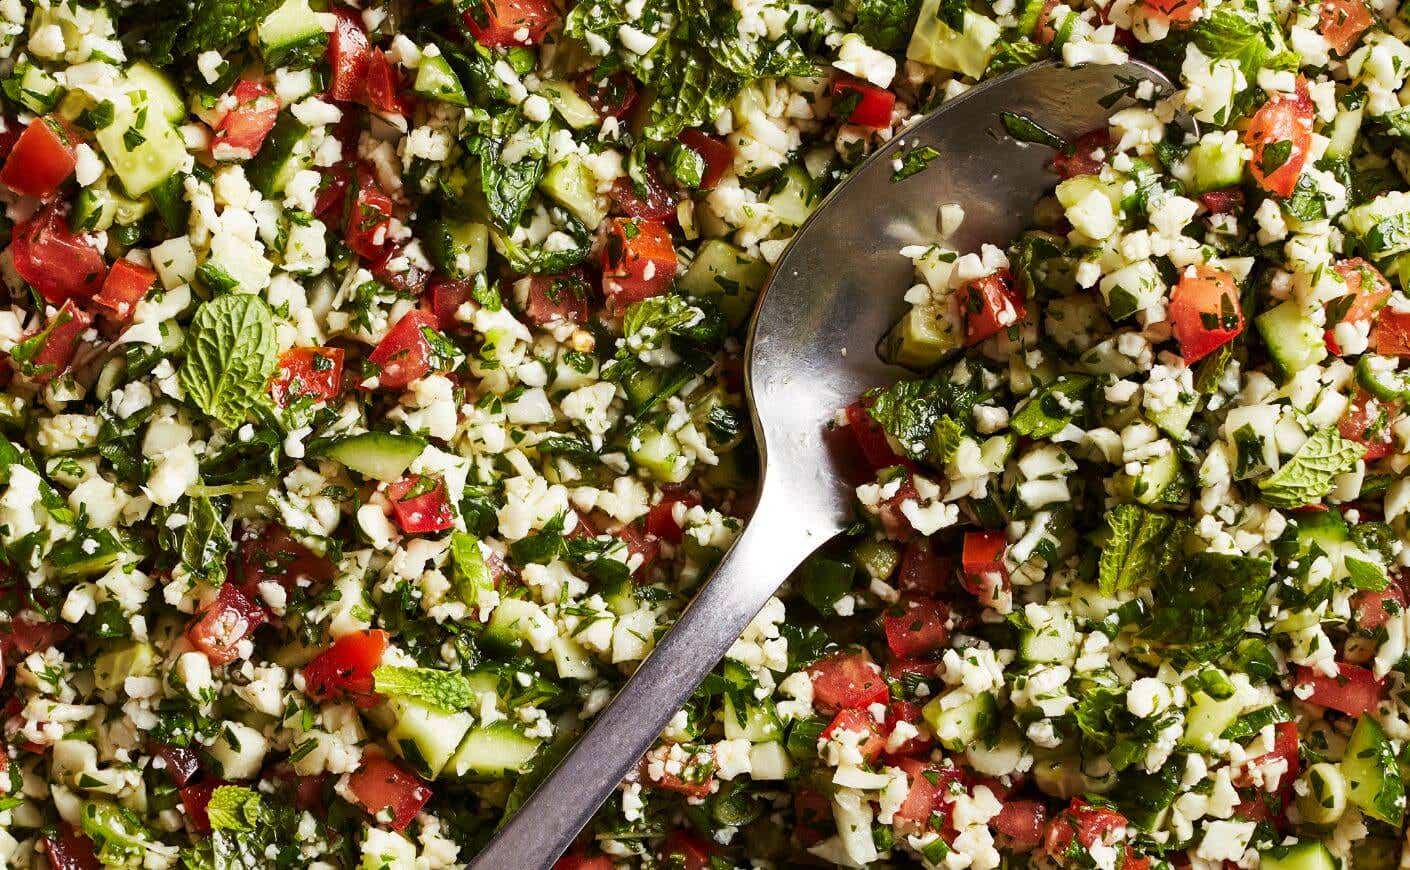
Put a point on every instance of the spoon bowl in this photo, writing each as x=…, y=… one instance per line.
x=832, y=295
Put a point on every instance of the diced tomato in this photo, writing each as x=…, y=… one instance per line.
x=1371, y=610
x=640, y=543
x=933, y=789
x=229, y=619
x=990, y=305
x=812, y=816
x=844, y=681
x=381, y=91
x=71, y=850
x=404, y=353
x=894, y=523
x=923, y=571
x=25, y=634
x=57, y=341
x=983, y=555
x=611, y=96
x=905, y=711
x=1229, y=200
x=127, y=284
x=650, y=201
x=870, y=436
x=41, y=160
x=638, y=262
x=1390, y=333
x=380, y=784
x=314, y=373
x=1205, y=311
x=345, y=668
x=1342, y=22
x=899, y=669
x=861, y=722
x=858, y=101
x=500, y=23
x=717, y=154
x=421, y=504
x=196, y=799
x=916, y=627
x=1080, y=157
x=271, y=553
x=370, y=218
x=583, y=862
x=556, y=298
x=686, y=851
x=1275, y=770
x=1280, y=134
x=447, y=295
x=1022, y=823
x=333, y=193
x=54, y=261
x=181, y=763
x=348, y=53
x=1173, y=11
x=1355, y=690
x=695, y=780
x=661, y=519
x=244, y=128
x=1368, y=290
x=1083, y=822
x=1367, y=422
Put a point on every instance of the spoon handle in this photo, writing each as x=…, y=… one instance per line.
x=773, y=543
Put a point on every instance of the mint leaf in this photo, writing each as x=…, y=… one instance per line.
x=886, y=25
x=230, y=354
x=1308, y=476
x=1143, y=546
x=471, y=575
x=509, y=187
x=923, y=415
x=234, y=808
x=216, y=24
x=1255, y=41
x=1204, y=607
x=205, y=541
x=445, y=690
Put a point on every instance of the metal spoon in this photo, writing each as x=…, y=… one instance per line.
x=832, y=295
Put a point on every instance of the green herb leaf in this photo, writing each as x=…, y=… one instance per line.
x=913, y=162
x=205, y=542
x=1024, y=129
x=1204, y=607
x=1308, y=476
x=234, y=808
x=230, y=354
x=1143, y=545
x=444, y=690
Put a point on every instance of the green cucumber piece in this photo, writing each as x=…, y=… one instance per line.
x=1372, y=775
x=494, y=751
x=285, y=152
x=291, y=36
x=383, y=456
x=575, y=111
x=459, y=248
x=728, y=277
x=571, y=184
x=958, y=726
x=435, y=80
x=1304, y=855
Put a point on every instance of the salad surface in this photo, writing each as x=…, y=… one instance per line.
x=373, y=403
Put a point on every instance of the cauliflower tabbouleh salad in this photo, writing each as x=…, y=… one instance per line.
x=373, y=403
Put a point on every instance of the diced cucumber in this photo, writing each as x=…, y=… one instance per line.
x=1215, y=163
x=1053, y=642
x=575, y=111
x=93, y=210
x=1383, y=224
x=1071, y=191
x=1325, y=800
x=1174, y=420
x=572, y=660
x=1372, y=775
x=1160, y=481
x=759, y=723
x=793, y=198
x=1132, y=288
x=1304, y=855
x=1380, y=376
x=1345, y=128
x=457, y=247
x=1293, y=340
x=33, y=88
x=383, y=456
x=129, y=658
x=957, y=726
x=161, y=92
x=425, y=736
x=571, y=184
x=727, y=276
x=935, y=43
x=435, y=80
x=494, y=751
x=93, y=552
x=657, y=454
x=141, y=145
x=621, y=597
x=286, y=150
x=924, y=336
x=291, y=35
x=510, y=622
x=1207, y=719
x=1058, y=773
